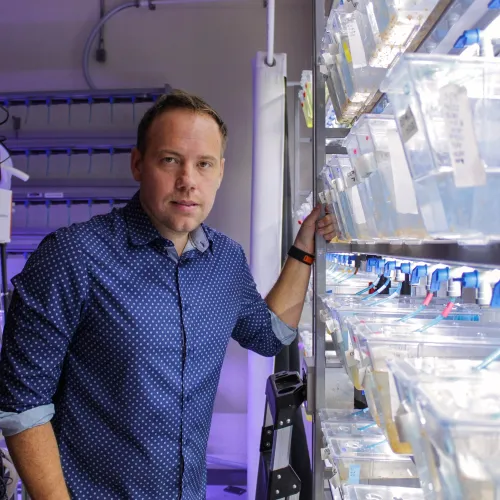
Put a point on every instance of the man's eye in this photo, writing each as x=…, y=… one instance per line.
x=205, y=164
x=168, y=159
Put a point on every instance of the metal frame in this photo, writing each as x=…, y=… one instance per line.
x=442, y=251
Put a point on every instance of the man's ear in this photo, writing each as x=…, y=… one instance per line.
x=136, y=164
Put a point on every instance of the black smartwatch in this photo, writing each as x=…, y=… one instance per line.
x=301, y=256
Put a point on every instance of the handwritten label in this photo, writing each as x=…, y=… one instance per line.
x=325, y=453
x=408, y=125
x=321, y=197
x=468, y=168
x=351, y=179
x=355, y=43
x=404, y=193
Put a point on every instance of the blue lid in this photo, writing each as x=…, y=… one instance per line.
x=438, y=276
x=380, y=266
x=470, y=280
x=495, y=298
x=390, y=265
x=469, y=37
x=417, y=273
x=405, y=268
x=371, y=263
x=494, y=4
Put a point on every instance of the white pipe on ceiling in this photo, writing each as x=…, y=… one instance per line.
x=271, y=11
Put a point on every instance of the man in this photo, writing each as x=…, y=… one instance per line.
x=118, y=327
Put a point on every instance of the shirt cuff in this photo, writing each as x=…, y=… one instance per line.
x=284, y=333
x=13, y=423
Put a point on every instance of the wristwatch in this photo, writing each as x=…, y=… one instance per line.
x=301, y=256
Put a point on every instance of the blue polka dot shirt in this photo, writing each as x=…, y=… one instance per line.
x=119, y=342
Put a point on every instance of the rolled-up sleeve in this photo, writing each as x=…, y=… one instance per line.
x=257, y=328
x=46, y=307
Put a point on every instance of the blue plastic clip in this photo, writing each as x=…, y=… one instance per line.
x=390, y=266
x=494, y=4
x=438, y=276
x=469, y=37
x=417, y=273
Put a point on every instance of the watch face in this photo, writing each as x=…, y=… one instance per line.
x=308, y=259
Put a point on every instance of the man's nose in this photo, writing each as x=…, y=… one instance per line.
x=187, y=177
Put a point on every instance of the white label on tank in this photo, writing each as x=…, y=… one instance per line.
x=468, y=168
x=328, y=197
x=404, y=193
x=321, y=197
x=408, y=125
x=358, y=55
x=351, y=179
x=373, y=22
x=357, y=207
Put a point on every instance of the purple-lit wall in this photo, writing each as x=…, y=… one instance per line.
x=205, y=49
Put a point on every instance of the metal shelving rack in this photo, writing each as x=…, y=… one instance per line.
x=431, y=38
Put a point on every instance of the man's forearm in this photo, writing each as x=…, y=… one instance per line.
x=36, y=457
x=286, y=298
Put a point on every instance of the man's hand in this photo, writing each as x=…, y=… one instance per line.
x=326, y=226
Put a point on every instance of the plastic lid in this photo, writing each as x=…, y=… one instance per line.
x=373, y=492
x=495, y=298
x=438, y=276
x=417, y=273
x=330, y=415
x=369, y=448
x=494, y=4
x=389, y=266
x=431, y=368
x=406, y=267
x=466, y=401
x=470, y=280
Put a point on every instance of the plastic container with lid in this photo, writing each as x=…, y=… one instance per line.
x=363, y=459
x=380, y=343
x=407, y=374
x=374, y=492
x=387, y=189
x=448, y=114
x=376, y=310
x=460, y=422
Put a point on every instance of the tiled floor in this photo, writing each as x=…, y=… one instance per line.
x=218, y=493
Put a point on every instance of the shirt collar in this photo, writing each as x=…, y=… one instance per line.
x=141, y=230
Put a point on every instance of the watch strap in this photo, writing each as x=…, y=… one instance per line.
x=301, y=256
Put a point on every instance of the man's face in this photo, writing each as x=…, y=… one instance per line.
x=181, y=170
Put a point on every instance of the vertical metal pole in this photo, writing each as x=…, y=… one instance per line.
x=318, y=284
x=296, y=145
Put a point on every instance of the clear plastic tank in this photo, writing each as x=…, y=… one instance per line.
x=389, y=187
x=448, y=115
x=382, y=343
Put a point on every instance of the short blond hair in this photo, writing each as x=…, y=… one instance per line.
x=177, y=99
